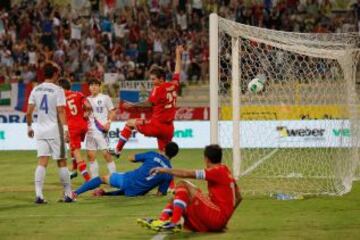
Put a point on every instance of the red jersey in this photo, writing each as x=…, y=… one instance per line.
x=74, y=108
x=221, y=187
x=163, y=99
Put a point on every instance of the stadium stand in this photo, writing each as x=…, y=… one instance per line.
x=118, y=41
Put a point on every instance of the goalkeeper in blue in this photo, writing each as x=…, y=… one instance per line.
x=139, y=181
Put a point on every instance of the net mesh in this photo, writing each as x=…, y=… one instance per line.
x=309, y=97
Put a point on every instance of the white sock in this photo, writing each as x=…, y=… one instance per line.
x=39, y=180
x=94, y=169
x=111, y=167
x=65, y=180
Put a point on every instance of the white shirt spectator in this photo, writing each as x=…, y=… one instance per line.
x=111, y=78
x=32, y=58
x=181, y=21
x=197, y=4
x=158, y=46
x=76, y=31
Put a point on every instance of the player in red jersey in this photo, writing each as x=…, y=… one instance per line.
x=202, y=213
x=162, y=99
x=75, y=115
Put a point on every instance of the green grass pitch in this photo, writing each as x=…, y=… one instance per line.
x=115, y=217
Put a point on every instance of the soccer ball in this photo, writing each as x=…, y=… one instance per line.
x=256, y=85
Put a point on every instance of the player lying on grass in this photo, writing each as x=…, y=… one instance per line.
x=76, y=105
x=202, y=213
x=139, y=181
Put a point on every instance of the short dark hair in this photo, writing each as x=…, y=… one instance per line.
x=159, y=72
x=214, y=153
x=171, y=149
x=93, y=81
x=50, y=70
x=65, y=83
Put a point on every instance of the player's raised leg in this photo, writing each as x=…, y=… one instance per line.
x=125, y=134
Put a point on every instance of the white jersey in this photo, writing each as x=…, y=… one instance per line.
x=47, y=97
x=101, y=106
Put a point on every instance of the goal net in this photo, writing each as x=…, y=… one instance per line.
x=300, y=133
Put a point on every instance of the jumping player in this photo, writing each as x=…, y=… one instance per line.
x=51, y=132
x=75, y=115
x=202, y=213
x=137, y=182
x=100, y=118
x=162, y=99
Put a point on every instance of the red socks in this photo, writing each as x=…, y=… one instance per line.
x=83, y=171
x=180, y=203
x=166, y=212
x=124, y=137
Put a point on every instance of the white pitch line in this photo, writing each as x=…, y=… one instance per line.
x=159, y=236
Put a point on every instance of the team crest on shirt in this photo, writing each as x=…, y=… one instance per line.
x=99, y=102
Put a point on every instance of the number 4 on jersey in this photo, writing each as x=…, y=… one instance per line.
x=44, y=104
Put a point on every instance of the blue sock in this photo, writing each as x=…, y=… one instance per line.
x=92, y=184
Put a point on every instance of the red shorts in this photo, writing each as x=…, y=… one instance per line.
x=77, y=135
x=202, y=215
x=164, y=132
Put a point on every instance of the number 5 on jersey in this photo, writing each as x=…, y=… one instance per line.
x=72, y=107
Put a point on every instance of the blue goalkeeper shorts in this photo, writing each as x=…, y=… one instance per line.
x=117, y=180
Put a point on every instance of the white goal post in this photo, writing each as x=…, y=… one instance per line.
x=301, y=133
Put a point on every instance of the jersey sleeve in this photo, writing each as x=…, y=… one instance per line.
x=32, y=98
x=61, y=99
x=109, y=105
x=153, y=98
x=211, y=175
x=163, y=188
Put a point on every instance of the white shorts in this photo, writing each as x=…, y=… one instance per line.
x=96, y=141
x=51, y=147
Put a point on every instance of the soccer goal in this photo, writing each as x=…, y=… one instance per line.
x=299, y=133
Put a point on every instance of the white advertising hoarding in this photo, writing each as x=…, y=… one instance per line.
x=196, y=134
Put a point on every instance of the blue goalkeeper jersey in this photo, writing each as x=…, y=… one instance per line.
x=139, y=181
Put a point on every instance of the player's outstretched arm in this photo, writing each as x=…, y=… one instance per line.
x=179, y=51
x=29, y=120
x=182, y=173
x=127, y=105
x=131, y=158
x=238, y=197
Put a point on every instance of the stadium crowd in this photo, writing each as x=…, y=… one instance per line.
x=129, y=38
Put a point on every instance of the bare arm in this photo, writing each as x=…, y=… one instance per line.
x=62, y=116
x=131, y=158
x=29, y=120
x=179, y=51
x=182, y=173
x=112, y=115
x=128, y=105
x=238, y=197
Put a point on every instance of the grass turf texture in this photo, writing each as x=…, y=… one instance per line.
x=115, y=217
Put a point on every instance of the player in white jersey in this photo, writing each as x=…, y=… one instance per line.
x=103, y=112
x=51, y=131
